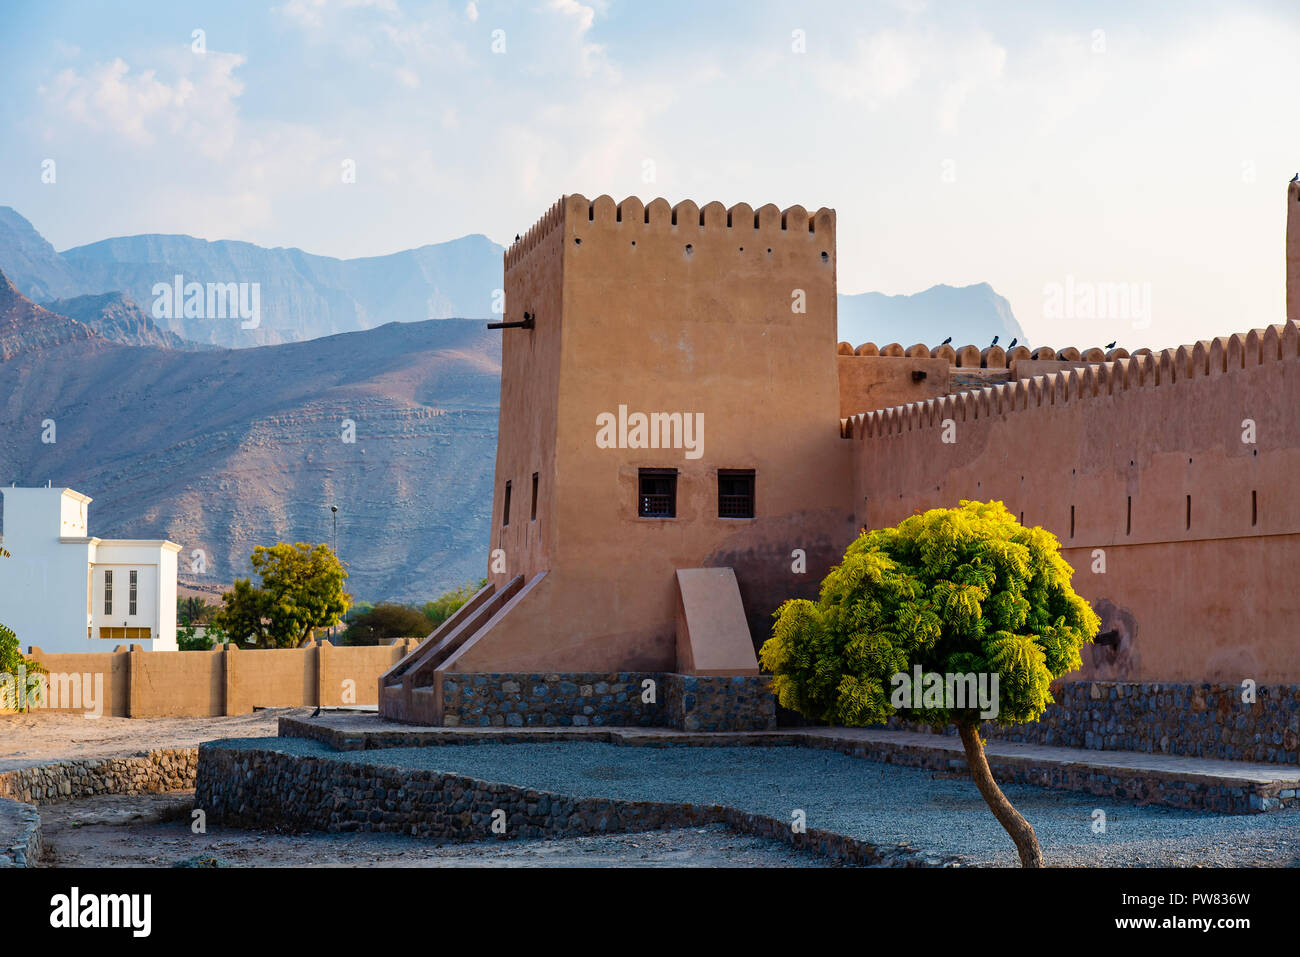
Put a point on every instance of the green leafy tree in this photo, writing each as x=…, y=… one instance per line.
x=443, y=607
x=385, y=621
x=189, y=639
x=301, y=591
x=14, y=664
x=195, y=610
x=963, y=591
x=17, y=668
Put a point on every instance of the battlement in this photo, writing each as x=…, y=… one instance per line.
x=1222, y=356
x=990, y=357
x=739, y=222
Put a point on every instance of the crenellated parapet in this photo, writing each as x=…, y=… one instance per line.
x=685, y=221
x=990, y=357
x=1226, y=355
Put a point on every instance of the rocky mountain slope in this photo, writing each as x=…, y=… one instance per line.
x=221, y=450
x=118, y=319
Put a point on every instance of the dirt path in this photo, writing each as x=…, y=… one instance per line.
x=42, y=737
x=153, y=830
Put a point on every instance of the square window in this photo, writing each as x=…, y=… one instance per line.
x=657, y=494
x=735, y=493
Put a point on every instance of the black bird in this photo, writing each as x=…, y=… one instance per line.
x=946, y=341
x=994, y=342
x=1110, y=345
x=316, y=713
x=518, y=237
x=1296, y=178
x=1012, y=343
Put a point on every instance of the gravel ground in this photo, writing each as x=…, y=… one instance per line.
x=152, y=830
x=863, y=799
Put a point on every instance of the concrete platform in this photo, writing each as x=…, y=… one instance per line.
x=1171, y=781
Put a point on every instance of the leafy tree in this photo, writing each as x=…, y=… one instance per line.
x=195, y=610
x=15, y=666
x=956, y=591
x=301, y=591
x=188, y=638
x=387, y=620
x=443, y=607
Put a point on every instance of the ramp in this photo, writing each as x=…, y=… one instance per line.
x=712, y=633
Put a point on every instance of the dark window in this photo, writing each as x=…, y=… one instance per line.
x=505, y=511
x=533, y=515
x=657, y=496
x=735, y=493
x=131, y=592
x=108, y=592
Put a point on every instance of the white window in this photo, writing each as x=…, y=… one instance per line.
x=108, y=591
x=133, y=590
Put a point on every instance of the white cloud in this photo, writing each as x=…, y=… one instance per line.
x=471, y=11
x=197, y=105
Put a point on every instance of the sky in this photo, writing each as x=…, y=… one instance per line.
x=1059, y=152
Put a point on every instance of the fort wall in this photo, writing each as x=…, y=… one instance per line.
x=1172, y=472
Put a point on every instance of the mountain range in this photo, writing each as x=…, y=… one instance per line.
x=220, y=450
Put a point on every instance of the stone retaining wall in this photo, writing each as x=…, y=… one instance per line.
x=547, y=700
x=721, y=703
x=1193, y=720
x=263, y=788
x=687, y=702
x=170, y=769
x=20, y=834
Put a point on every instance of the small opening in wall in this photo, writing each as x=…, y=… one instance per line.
x=577, y=241
x=742, y=249
x=1128, y=520
x=701, y=217
x=1254, y=507
x=1189, y=512
x=618, y=215
x=769, y=251
x=647, y=215
x=1022, y=518
x=689, y=249
x=505, y=508
x=826, y=257
x=591, y=213
x=533, y=512
x=1072, y=521
x=634, y=242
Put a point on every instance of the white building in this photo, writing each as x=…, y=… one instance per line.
x=65, y=591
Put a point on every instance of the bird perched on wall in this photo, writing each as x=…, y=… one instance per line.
x=518, y=238
x=946, y=341
x=1111, y=345
x=316, y=713
x=994, y=342
x=1296, y=178
x=1012, y=343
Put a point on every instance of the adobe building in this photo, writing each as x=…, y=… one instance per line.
x=683, y=446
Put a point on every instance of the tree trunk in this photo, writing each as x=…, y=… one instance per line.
x=1021, y=831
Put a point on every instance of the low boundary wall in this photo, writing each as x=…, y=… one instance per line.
x=228, y=680
x=1193, y=720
